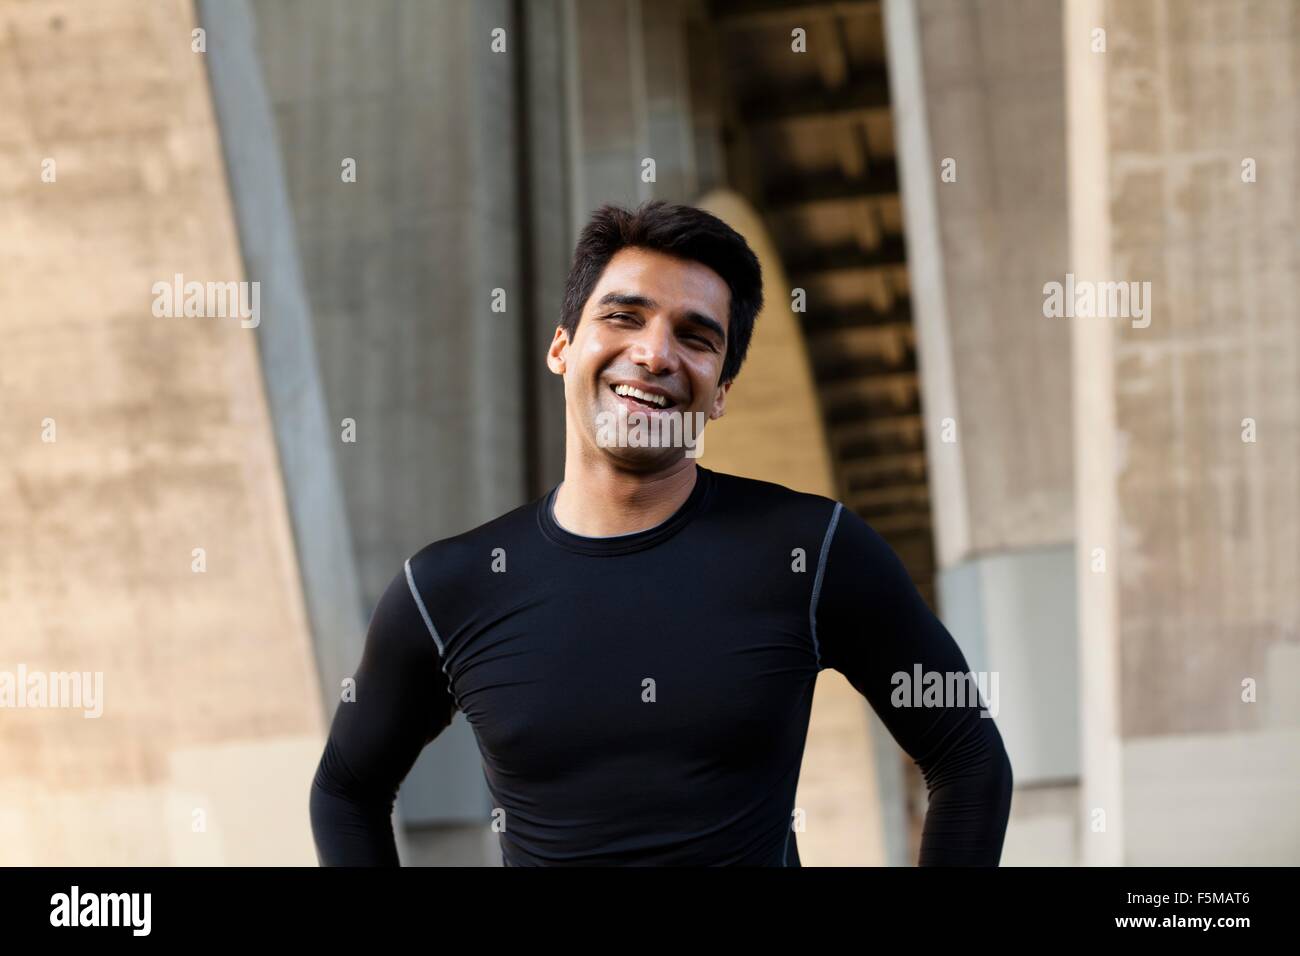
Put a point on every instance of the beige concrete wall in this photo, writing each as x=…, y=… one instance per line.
x=162, y=444
x=1209, y=523
x=1200, y=529
x=1128, y=440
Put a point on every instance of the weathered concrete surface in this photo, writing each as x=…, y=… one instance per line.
x=162, y=445
x=304, y=435
x=1198, y=525
x=993, y=98
x=1209, y=524
x=400, y=267
x=978, y=98
x=401, y=264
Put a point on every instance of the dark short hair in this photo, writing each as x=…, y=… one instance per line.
x=677, y=230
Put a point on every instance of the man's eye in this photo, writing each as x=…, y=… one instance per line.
x=626, y=315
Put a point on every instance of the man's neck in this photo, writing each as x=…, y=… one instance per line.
x=597, y=500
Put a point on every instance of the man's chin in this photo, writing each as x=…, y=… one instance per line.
x=647, y=439
x=639, y=459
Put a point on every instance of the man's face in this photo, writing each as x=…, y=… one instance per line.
x=655, y=323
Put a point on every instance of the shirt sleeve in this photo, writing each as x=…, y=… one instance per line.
x=402, y=702
x=870, y=623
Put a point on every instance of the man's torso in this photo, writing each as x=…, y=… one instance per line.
x=642, y=698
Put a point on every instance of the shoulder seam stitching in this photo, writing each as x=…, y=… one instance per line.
x=817, y=582
x=424, y=612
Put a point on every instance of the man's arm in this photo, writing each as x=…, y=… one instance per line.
x=402, y=702
x=870, y=624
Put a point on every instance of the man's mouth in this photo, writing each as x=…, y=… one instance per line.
x=640, y=398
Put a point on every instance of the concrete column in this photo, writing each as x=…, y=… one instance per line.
x=146, y=537
x=629, y=87
x=1189, y=152
x=403, y=268
x=549, y=232
x=978, y=97
x=304, y=435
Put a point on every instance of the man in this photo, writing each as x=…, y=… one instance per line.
x=637, y=650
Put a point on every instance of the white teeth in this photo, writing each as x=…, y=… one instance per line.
x=644, y=396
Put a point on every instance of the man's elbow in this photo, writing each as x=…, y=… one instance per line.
x=999, y=780
x=1005, y=777
x=322, y=808
x=998, y=776
x=1008, y=777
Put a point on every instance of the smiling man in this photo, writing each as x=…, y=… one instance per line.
x=636, y=651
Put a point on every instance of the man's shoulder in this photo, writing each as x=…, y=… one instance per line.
x=758, y=497
x=474, y=547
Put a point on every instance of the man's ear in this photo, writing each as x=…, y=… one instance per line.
x=719, y=400
x=558, y=352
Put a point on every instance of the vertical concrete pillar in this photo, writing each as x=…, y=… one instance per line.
x=413, y=272
x=1100, y=821
x=304, y=435
x=1186, y=157
x=978, y=96
x=146, y=539
x=548, y=232
x=629, y=90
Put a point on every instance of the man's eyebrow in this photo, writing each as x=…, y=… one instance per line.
x=627, y=298
x=713, y=325
x=635, y=300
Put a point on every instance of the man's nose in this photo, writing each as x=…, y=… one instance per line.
x=654, y=346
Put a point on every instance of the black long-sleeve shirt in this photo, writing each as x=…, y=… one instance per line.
x=644, y=698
